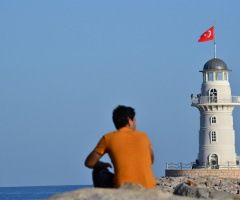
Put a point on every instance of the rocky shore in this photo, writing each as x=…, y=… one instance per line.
x=168, y=184
x=168, y=188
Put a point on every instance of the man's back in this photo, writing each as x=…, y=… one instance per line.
x=130, y=153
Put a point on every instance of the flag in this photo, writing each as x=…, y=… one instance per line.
x=208, y=35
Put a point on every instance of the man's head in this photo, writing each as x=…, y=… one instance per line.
x=124, y=116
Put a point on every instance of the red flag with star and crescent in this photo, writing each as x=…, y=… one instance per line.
x=208, y=35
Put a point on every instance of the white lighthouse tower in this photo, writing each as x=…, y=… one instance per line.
x=215, y=103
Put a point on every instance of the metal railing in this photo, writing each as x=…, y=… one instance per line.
x=215, y=99
x=205, y=165
x=179, y=165
x=229, y=165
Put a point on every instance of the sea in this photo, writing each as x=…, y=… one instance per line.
x=36, y=192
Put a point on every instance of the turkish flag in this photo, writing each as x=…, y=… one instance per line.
x=208, y=35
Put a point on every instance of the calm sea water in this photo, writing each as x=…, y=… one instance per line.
x=36, y=192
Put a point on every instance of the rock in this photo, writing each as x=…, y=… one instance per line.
x=220, y=184
x=132, y=186
x=196, y=192
x=202, y=180
x=128, y=191
x=208, y=183
x=164, y=190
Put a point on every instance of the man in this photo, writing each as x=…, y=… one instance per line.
x=129, y=150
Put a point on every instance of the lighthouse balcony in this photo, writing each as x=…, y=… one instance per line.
x=209, y=100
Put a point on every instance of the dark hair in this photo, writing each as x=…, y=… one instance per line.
x=121, y=115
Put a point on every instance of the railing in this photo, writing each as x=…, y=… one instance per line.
x=229, y=165
x=206, y=165
x=179, y=165
x=215, y=99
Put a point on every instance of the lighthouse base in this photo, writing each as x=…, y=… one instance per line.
x=218, y=167
x=222, y=173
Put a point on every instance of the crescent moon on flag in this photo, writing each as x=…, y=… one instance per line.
x=210, y=33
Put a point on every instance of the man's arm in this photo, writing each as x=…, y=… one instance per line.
x=92, y=161
x=152, y=156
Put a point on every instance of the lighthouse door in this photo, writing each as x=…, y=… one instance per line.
x=214, y=161
x=213, y=95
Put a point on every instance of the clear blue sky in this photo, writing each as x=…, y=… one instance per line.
x=66, y=64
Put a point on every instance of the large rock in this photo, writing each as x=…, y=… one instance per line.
x=128, y=191
x=184, y=189
x=164, y=191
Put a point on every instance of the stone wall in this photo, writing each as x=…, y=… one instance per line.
x=222, y=173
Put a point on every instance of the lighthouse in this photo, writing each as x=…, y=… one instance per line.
x=216, y=104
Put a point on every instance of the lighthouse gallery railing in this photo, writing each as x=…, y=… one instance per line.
x=215, y=99
x=193, y=165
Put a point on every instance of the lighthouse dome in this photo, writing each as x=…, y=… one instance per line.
x=215, y=64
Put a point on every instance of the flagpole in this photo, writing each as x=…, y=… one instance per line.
x=215, y=56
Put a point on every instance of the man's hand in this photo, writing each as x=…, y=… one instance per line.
x=92, y=161
x=100, y=164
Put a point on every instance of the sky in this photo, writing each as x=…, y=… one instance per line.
x=66, y=64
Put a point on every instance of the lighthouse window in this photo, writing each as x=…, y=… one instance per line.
x=225, y=76
x=213, y=120
x=213, y=136
x=213, y=95
x=210, y=76
x=204, y=77
x=218, y=76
